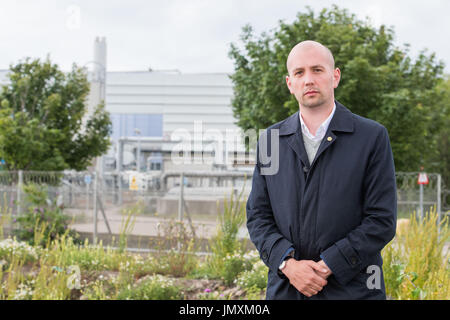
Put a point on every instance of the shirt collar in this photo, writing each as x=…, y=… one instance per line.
x=320, y=133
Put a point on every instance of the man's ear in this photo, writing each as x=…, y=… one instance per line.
x=336, y=77
x=288, y=83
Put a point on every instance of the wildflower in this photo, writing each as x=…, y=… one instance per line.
x=207, y=290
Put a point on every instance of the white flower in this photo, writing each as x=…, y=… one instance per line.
x=17, y=248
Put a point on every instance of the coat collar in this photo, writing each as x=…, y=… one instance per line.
x=341, y=121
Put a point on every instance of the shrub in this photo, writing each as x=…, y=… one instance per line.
x=255, y=293
x=414, y=265
x=11, y=248
x=156, y=287
x=233, y=266
x=180, y=261
x=43, y=216
x=64, y=252
x=99, y=289
x=254, y=278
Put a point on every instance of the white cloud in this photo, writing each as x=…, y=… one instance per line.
x=192, y=36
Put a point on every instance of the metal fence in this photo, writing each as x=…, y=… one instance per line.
x=99, y=205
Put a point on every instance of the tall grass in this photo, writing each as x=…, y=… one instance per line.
x=180, y=260
x=5, y=216
x=4, y=220
x=126, y=227
x=415, y=266
x=225, y=246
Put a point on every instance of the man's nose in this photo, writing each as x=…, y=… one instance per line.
x=309, y=79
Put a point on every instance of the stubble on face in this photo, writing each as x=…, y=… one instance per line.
x=319, y=98
x=311, y=102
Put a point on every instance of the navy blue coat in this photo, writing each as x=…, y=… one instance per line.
x=343, y=206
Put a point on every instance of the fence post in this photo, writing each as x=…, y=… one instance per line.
x=119, y=181
x=421, y=201
x=180, y=206
x=95, y=209
x=119, y=170
x=19, y=192
x=87, y=194
x=438, y=209
x=180, y=203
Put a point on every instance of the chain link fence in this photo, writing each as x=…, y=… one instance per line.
x=99, y=205
x=408, y=194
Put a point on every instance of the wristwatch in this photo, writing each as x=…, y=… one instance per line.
x=283, y=264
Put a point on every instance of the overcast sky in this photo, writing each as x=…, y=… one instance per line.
x=189, y=35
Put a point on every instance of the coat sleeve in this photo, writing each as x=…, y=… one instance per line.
x=348, y=256
x=262, y=228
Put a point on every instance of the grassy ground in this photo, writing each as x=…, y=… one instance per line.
x=415, y=266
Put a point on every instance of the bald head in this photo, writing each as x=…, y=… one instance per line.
x=315, y=48
x=312, y=76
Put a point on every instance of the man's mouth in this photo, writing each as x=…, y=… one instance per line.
x=311, y=92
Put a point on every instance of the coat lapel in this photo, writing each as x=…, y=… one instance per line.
x=291, y=128
x=342, y=121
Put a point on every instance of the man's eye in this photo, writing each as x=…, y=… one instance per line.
x=299, y=72
x=317, y=70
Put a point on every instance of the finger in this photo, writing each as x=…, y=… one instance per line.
x=304, y=289
x=322, y=275
x=307, y=292
x=315, y=287
x=311, y=292
x=316, y=266
x=320, y=281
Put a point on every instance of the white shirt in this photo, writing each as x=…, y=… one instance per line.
x=320, y=133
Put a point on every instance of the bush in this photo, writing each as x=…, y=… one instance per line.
x=414, y=265
x=44, y=220
x=233, y=266
x=156, y=287
x=254, y=278
x=10, y=249
x=180, y=261
x=64, y=252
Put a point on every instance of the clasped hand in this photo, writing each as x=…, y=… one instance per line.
x=307, y=276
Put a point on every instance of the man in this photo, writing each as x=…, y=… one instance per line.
x=321, y=219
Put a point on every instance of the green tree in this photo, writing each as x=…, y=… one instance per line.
x=379, y=80
x=440, y=158
x=41, y=119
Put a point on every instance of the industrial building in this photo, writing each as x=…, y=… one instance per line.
x=164, y=120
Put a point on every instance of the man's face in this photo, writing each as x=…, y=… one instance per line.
x=312, y=78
